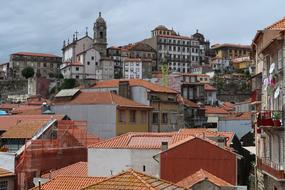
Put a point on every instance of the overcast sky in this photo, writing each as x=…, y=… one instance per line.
x=41, y=26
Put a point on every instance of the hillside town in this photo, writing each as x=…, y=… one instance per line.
x=168, y=112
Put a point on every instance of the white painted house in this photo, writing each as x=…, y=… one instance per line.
x=138, y=150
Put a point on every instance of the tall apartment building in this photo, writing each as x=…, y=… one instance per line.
x=136, y=68
x=268, y=101
x=181, y=52
x=86, y=58
x=45, y=65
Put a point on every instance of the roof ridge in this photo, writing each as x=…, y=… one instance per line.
x=274, y=23
x=134, y=173
x=107, y=178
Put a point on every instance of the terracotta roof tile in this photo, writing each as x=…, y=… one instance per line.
x=135, y=181
x=135, y=140
x=69, y=183
x=9, y=121
x=19, y=108
x=279, y=25
x=135, y=82
x=228, y=106
x=5, y=173
x=215, y=110
x=24, y=130
x=35, y=54
x=100, y=98
x=200, y=176
x=207, y=133
x=186, y=102
x=77, y=169
x=153, y=140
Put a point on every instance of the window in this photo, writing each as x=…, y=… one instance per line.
x=77, y=76
x=132, y=116
x=143, y=116
x=88, y=62
x=77, y=68
x=3, y=185
x=122, y=116
x=101, y=34
x=155, y=118
x=92, y=58
x=164, y=118
x=45, y=65
x=143, y=168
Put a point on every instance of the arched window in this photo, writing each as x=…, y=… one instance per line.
x=101, y=34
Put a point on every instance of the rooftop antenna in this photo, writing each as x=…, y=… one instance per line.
x=76, y=35
x=73, y=37
x=86, y=31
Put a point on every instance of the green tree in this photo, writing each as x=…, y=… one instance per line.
x=28, y=72
x=68, y=83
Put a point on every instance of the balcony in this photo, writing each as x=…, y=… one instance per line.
x=270, y=167
x=270, y=119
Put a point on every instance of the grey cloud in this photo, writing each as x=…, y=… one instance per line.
x=41, y=26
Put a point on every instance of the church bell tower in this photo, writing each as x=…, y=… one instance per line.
x=100, y=35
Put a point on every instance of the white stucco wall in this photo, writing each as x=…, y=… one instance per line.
x=102, y=161
x=7, y=161
x=101, y=119
x=139, y=94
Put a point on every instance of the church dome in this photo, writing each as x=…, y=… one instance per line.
x=160, y=27
x=100, y=19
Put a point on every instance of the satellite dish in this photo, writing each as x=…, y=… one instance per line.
x=277, y=92
x=272, y=67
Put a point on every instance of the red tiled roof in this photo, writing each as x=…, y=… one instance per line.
x=228, y=106
x=19, y=108
x=186, y=102
x=279, y=25
x=200, y=132
x=208, y=87
x=151, y=140
x=135, y=82
x=25, y=130
x=77, y=169
x=35, y=54
x=69, y=183
x=9, y=121
x=200, y=176
x=135, y=140
x=5, y=173
x=101, y=98
x=215, y=110
x=133, y=180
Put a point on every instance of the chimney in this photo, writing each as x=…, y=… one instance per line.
x=164, y=145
